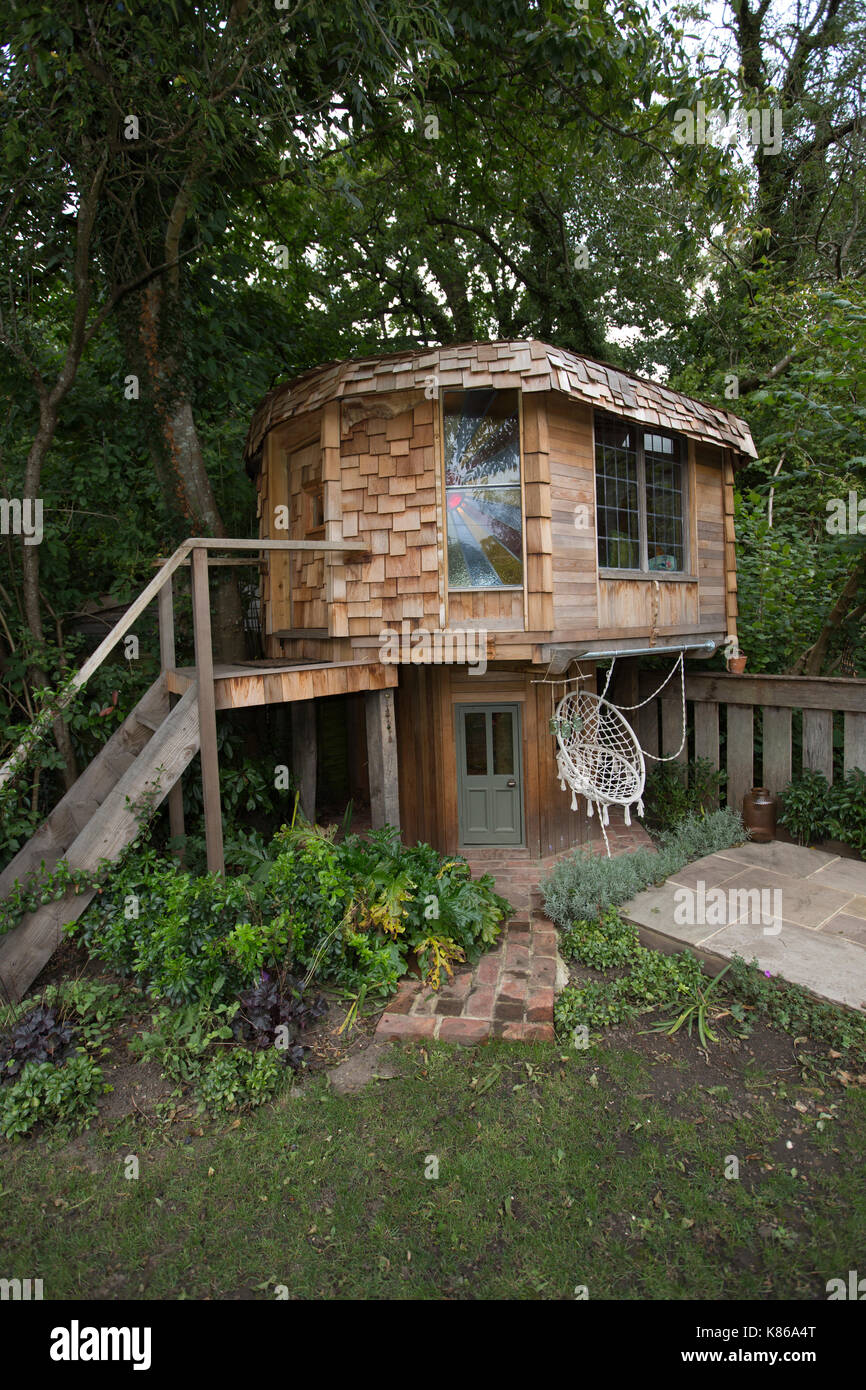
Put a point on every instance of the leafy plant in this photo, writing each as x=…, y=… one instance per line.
x=675, y=791
x=813, y=810
x=237, y=1078
x=695, y=1014
x=180, y=1039
x=847, y=819
x=806, y=807
x=604, y=943
x=45, y=1093
x=273, y=1014
x=438, y=953
x=40, y=1035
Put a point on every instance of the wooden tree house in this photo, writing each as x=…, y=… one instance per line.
x=442, y=533
x=515, y=492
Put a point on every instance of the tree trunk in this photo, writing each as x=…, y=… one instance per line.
x=178, y=457
x=812, y=661
x=30, y=584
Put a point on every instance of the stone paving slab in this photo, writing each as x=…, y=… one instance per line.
x=797, y=860
x=818, y=939
x=846, y=875
x=826, y=965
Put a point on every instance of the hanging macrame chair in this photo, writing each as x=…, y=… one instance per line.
x=599, y=755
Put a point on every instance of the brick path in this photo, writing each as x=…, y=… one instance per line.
x=510, y=992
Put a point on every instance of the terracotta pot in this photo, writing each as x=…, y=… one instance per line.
x=759, y=814
x=736, y=665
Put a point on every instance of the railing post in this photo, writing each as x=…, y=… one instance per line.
x=210, y=773
x=168, y=661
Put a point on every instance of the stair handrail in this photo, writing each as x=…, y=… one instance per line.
x=46, y=716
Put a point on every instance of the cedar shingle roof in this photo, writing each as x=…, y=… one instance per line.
x=527, y=365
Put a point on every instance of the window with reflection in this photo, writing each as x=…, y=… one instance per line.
x=484, y=521
x=639, y=490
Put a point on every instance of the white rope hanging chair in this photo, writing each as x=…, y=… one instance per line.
x=598, y=755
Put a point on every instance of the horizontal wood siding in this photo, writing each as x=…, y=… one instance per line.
x=496, y=609
x=710, y=525
x=572, y=502
x=644, y=605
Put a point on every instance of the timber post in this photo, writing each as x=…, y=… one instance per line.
x=304, y=754
x=382, y=759
x=168, y=661
x=210, y=773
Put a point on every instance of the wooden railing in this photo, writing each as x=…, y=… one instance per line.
x=820, y=698
x=195, y=553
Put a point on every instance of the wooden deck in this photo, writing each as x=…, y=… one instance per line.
x=279, y=682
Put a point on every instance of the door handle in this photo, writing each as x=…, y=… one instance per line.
x=511, y=783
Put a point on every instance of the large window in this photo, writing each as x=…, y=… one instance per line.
x=482, y=490
x=639, y=480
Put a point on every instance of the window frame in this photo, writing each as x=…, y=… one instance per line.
x=443, y=473
x=683, y=458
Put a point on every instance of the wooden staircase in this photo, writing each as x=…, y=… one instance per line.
x=145, y=758
x=96, y=819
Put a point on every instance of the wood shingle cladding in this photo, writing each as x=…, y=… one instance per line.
x=356, y=451
x=527, y=365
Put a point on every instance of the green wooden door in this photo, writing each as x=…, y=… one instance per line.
x=489, y=790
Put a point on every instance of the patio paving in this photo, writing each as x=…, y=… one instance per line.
x=801, y=913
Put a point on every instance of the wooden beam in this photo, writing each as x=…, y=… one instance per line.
x=210, y=771
x=741, y=741
x=672, y=730
x=168, y=661
x=382, y=759
x=794, y=692
x=855, y=741
x=707, y=735
x=777, y=749
x=818, y=742
x=304, y=754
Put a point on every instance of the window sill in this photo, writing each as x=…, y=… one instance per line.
x=669, y=576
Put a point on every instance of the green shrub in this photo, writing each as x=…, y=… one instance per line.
x=582, y=886
x=179, y=1039
x=847, y=820
x=806, y=807
x=185, y=938
x=48, y=1093
x=349, y=913
x=237, y=1078
x=602, y=944
x=674, y=791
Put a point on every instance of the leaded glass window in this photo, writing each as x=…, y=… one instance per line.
x=482, y=490
x=639, y=483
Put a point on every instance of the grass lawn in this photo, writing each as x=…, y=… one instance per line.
x=557, y=1169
